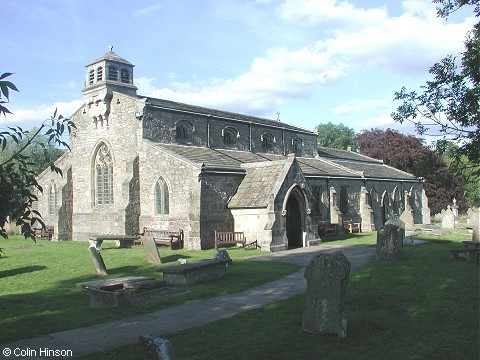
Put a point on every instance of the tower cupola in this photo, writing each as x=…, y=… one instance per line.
x=109, y=73
x=105, y=75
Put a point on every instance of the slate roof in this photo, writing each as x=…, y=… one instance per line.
x=112, y=56
x=176, y=106
x=330, y=163
x=255, y=189
x=366, y=166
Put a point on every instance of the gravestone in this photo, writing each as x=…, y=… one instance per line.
x=399, y=223
x=474, y=222
x=98, y=262
x=155, y=348
x=222, y=255
x=407, y=218
x=151, y=250
x=390, y=243
x=327, y=279
x=455, y=208
x=448, y=220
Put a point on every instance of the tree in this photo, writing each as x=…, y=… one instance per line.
x=449, y=105
x=408, y=153
x=40, y=151
x=335, y=136
x=463, y=168
x=18, y=182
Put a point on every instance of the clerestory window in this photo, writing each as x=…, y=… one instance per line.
x=230, y=136
x=267, y=141
x=183, y=130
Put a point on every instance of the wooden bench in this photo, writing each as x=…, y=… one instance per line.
x=172, y=239
x=230, y=238
x=46, y=231
x=351, y=226
x=326, y=229
x=193, y=273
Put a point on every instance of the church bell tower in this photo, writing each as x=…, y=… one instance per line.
x=105, y=75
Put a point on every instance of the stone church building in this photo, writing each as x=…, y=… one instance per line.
x=138, y=161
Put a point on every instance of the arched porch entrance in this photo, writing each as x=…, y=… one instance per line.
x=294, y=221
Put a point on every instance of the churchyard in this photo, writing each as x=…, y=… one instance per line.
x=424, y=306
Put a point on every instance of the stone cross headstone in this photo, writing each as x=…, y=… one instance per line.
x=155, y=348
x=151, y=250
x=98, y=262
x=390, y=243
x=455, y=208
x=448, y=220
x=327, y=279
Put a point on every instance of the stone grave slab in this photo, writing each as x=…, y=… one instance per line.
x=125, y=292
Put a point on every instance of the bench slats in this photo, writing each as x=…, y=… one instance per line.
x=229, y=237
x=172, y=239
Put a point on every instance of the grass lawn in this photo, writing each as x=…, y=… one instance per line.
x=38, y=295
x=423, y=307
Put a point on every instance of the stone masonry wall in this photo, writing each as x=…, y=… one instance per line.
x=181, y=178
x=216, y=190
x=159, y=126
x=120, y=132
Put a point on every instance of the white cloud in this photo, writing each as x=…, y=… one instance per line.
x=148, y=11
x=357, y=39
x=358, y=106
x=28, y=118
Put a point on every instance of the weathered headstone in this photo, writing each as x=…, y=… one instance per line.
x=151, y=250
x=155, y=348
x=474, y=222
x=448, y=220
x=222, y=255
x=390, y=243
x=98, y=262
x=399, y=223
x=407, y=218
x=327, y=279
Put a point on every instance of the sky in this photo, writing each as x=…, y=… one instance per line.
x=304, y=62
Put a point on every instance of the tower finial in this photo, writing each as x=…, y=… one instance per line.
x=110, y=47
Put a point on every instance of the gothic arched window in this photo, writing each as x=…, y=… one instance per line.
x=52, y=199
x=103, y=172
x=161, y=197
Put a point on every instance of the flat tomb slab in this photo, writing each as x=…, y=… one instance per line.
x=193, y=273
x=126, y=291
